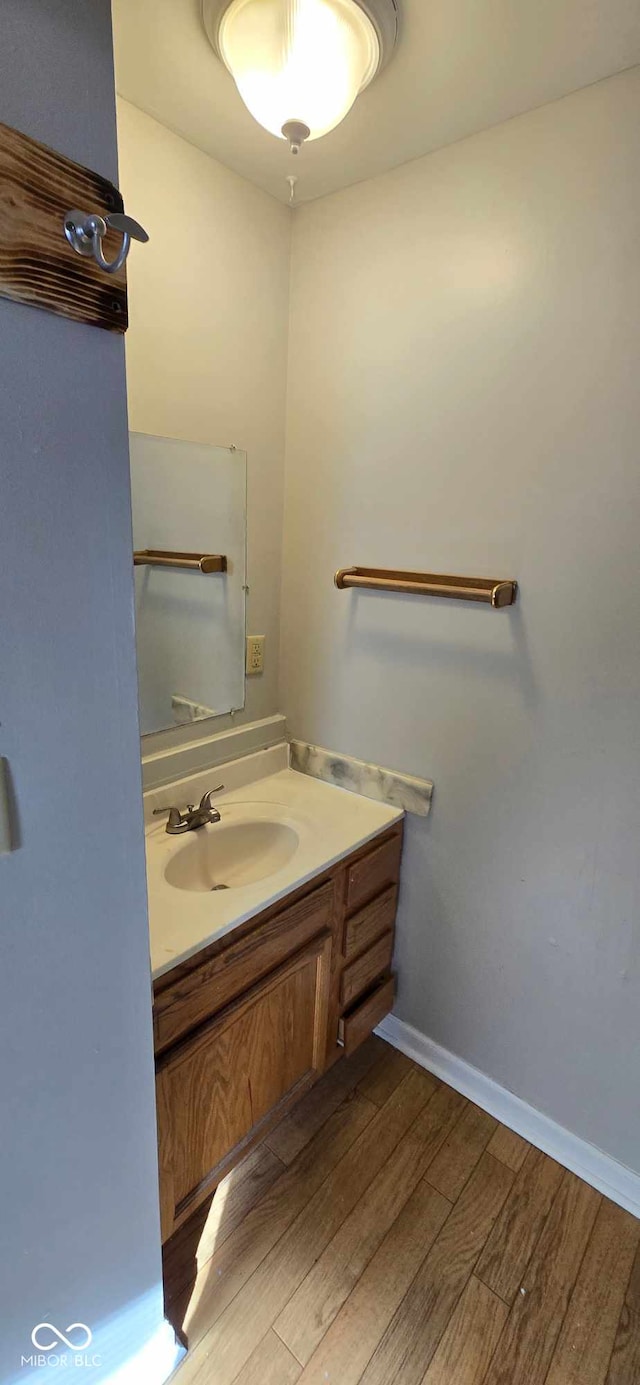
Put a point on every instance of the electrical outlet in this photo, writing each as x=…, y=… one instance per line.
x=255, y=654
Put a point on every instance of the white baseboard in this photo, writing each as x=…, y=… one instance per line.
x=615, y=1180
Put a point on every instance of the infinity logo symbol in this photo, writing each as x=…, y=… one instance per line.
x=60, y=1337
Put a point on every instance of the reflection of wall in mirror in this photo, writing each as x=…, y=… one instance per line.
x=190, y=626
x=208, y=335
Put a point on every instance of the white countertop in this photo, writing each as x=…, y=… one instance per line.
x=329, y=822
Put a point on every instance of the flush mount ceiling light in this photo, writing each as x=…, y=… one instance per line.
x=300, y=64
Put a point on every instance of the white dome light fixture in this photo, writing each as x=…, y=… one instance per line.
x=300, y=64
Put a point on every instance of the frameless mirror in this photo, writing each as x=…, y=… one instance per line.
x=189, y=536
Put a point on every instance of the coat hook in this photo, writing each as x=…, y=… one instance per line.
x=85, y=233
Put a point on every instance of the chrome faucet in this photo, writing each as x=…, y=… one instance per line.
x=192, y=817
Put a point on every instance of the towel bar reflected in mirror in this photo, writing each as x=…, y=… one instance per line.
x=200, y=562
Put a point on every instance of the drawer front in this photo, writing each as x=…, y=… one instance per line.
x=209, y=988
x=361, y=974
x=356, y=1026
x=372, y=873
x=363, y=928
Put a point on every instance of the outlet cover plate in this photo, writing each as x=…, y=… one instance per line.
x=255, y=655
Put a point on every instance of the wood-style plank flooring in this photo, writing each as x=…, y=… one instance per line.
x=391, y=1233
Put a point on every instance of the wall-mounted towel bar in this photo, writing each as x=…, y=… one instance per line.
x=491, y=590
x=199, y=562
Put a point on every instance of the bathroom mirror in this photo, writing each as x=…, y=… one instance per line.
x=189, y=537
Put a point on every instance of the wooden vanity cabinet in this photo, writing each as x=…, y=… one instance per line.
x=246, y=1026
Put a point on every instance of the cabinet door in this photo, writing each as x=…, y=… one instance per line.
x=222, y=1087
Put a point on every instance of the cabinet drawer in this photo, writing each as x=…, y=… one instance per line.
x=355, y=1027
x=208, y=988
x=369, y=876
x=357, y=977
x=363, y=928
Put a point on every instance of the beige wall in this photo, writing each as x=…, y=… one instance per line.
x=207, y=342
x=463, y=397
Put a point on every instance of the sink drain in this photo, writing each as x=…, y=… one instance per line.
x=219, y=887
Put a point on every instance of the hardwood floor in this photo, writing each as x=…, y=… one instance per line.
x=389, y=1232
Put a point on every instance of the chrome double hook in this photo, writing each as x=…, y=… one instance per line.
x=86, y=231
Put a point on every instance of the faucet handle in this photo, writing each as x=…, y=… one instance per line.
x=205, y=801
x=175, y=817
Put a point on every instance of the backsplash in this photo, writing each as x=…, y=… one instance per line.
x=176, y=762
x=384, y=785
x=233, y=774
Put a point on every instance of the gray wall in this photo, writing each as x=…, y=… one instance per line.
x=80, y=1233
x=463, y=397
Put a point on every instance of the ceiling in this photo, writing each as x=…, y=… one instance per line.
x=459, y=67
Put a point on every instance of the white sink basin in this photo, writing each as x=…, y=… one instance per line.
x=277, y=831
x=228, y=855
